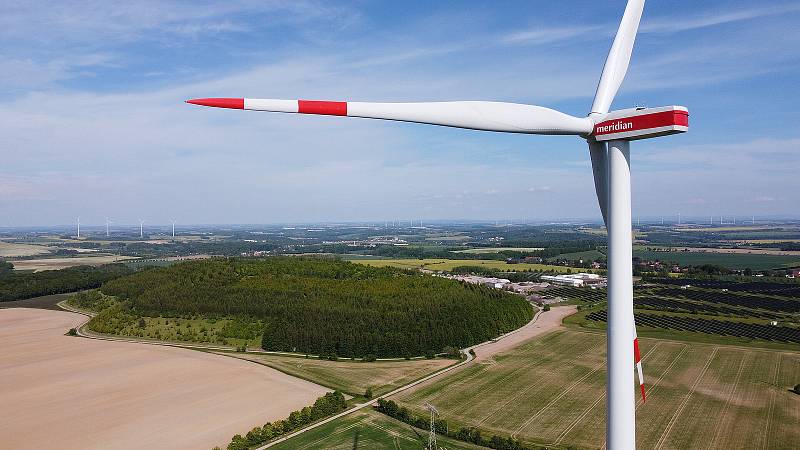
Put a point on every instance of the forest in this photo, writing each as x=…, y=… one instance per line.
x=326, y=306
x=22, y=285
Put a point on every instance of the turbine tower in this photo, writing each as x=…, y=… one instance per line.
x=141, y=228
x=79, y=227
x=173, y=227
x=608, y=134
x=108, y=221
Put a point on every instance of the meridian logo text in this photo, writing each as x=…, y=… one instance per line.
x=616, y=126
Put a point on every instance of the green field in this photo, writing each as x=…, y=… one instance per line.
x=589, y=255
x=449, y=264
x=367, y=430
x=730, y=260
x=485, y=250
x=351, y=377
x=551, y=391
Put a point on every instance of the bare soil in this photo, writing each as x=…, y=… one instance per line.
x=546, y=322
x=74, y=393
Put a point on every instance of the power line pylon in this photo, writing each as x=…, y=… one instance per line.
x=432, y=433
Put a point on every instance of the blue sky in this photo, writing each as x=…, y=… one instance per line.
x=92, y=119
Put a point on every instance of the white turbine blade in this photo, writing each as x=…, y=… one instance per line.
x=599, y=155
x=619, y=57
x=475, y=115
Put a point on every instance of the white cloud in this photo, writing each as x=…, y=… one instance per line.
x=683, y=23
x=544, y=34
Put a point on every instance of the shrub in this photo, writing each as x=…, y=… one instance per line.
x=72, y=332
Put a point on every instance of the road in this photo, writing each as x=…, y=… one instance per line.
x=541, y=323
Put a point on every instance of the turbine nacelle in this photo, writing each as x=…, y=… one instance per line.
x=641, y=123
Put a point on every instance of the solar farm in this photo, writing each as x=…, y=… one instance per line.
x=760, y=313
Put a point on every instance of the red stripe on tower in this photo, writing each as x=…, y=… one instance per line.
x=637, y=358
x=322, y=107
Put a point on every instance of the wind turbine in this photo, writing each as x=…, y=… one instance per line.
x=79, y=227
x=141, y=228
x=608, y=134
x=108, y=221
x=173, y=227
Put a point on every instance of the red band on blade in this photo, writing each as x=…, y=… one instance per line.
x=644, y=397
x=322, y=107
x=643, y=122
x=233, y=103
x=636, y=356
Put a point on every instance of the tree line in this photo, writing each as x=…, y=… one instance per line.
x=327, y=405
x=21, y=285
x=326, y=306
x=466, y=434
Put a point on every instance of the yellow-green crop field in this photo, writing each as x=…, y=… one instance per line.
x=551, y=392
x=351, y=377
x=368, y=430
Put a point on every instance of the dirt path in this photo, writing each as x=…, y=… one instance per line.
x=73, y=393
x=543, y=322
x=546, y=322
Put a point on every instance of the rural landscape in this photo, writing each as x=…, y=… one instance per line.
x=393, y=319
x=374, y=225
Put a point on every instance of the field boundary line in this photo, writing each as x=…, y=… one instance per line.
x=394, y=434
x=579, y=419
x=469, y=358
x=468, y=378
x=652, y=388
x=772, y=401
x=724, y=414
x=685, y=401
x=562, y=394
x=589, y=409
x=524, y=368
x=360, y=422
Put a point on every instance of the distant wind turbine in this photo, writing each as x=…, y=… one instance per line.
x=141, y=228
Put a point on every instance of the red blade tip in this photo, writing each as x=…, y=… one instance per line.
x=233, y=103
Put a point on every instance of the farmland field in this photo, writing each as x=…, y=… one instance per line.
x=449, y=264
x=351, y=377
x=589, y=255
x=729, y=260
x=551, y=391
x=10, y=250
x=500, y=249
x=62, y=263
x=367, y=430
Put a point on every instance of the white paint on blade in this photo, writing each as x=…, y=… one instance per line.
x=267, y=104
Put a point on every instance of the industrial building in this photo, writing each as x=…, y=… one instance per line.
x=576, y=280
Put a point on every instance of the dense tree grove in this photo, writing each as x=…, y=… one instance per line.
x=22, y=285
x=327, y=405
x=325, y=306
